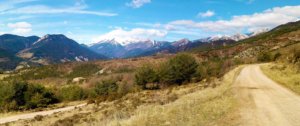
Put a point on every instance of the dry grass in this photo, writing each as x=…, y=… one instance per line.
x=3, y=76
x=287, y=75
x=203, y=107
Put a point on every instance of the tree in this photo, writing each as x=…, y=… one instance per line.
x=16, y=95
x=145, y=75
x=179, y=69
x=38, y=96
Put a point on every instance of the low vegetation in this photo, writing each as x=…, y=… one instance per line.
x=38, y=73
x=211, y=106
x=71, y=93
x=203, y=103
x=84, y=70
x=286, y=70
x=181, y=69
x=17, y=95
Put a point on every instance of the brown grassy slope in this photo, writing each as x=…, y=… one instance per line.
x=284, y=74
x=280, y=37
x=111, y=69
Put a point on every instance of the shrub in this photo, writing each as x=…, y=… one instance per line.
x=38, y=96
x=17, y=95
x=106, y=87
x=124, y=88
x=144, y=75
x=214, y=68
x=296, y=56
x=179, y=69
x=72, y=93
x=276, y=56
x=201, y=72
x=264, y=57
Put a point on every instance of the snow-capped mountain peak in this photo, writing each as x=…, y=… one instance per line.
x=123, y=42
x=50, y=37
x=239, y=36
x=111, y=41
x=257, y=32
x=181, y=42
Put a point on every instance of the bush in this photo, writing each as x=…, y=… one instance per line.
x=72, y=93
x=276, y=56
x=201, y=73
x=179, y=69
x=106, y=87
x=296, y=56
x=264, y=57
x=145, y=75
x=17, y=95
x=38, y=96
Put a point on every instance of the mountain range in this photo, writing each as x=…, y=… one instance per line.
x=57, y=48
x=15, y=50
x=117, y=49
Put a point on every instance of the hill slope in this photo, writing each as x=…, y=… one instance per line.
x=272, y=41
x=58, y=48
x=14, y=43
x=8, y=60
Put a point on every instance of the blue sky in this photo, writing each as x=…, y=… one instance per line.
x=88, y=21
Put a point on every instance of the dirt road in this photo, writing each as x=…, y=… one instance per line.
x=32, y=115
x=264, y=102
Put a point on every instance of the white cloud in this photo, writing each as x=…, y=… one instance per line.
x=9, y=7
x=138, y=3
x=42, y=9
x=20, y=27
x=208, y=13
x=155, y=25
x=194, y=33
x=9, y=4
x=266, y=19
x=133, y=35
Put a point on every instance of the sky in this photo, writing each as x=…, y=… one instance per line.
x=90, y=21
